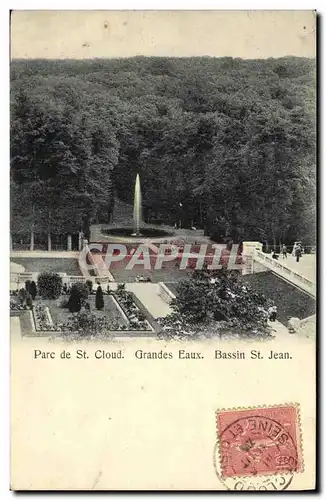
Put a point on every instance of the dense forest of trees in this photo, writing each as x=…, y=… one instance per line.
x=224, y=144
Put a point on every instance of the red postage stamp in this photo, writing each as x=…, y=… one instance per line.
x=259, y=441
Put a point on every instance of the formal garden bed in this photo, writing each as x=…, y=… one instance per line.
x=138, y=316
x=42, y=318
x=61, y=316
x=79, y=311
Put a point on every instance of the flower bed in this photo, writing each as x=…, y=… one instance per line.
x=136, y=317
x=16, y=305
x=85, y=323
x=42, y=319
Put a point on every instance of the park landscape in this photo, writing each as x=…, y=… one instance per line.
x=152, y=151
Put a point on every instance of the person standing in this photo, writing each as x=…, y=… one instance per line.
x=272, y=313
x=298, y=253
x=284, y=252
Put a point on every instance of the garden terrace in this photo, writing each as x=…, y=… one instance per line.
x=40, y=265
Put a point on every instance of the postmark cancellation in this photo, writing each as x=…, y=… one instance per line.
x=258, y=448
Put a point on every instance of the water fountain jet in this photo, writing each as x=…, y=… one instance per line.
x=137, y=208
x=136, y=230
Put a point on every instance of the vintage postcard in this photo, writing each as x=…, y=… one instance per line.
x=163, y=250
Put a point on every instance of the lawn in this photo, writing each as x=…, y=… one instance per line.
x=289, y=299
x=68, y=266
x=172, y=287
x=168, y=274
x=61, y=315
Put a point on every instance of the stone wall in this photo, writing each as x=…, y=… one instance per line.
x=165, y=293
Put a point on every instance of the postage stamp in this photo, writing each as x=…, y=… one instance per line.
x=258, y=448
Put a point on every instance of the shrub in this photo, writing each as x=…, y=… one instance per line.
x=82, y=289
x=64, y=303
x=15, y=304
x=22, y=294
x=33, y=290
x=75, y=299
x=99, y=301
x=89, y=284
x=49, y=285
x=29, y=301
x=129, y=302
x=28, y=286
x=192, y=299
x=140, y=316
x=204, y=299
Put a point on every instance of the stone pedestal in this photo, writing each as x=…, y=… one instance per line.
x=248, y=249
x=250, y=246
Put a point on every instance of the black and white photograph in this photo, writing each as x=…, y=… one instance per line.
x=126, y=171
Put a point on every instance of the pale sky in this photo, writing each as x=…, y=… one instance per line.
x=87, y=34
